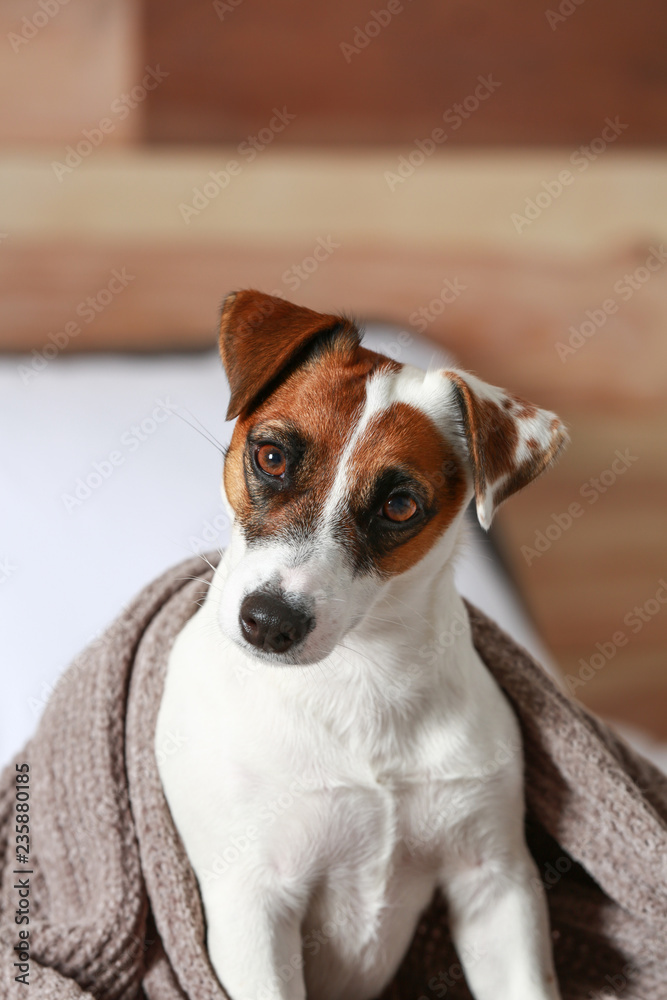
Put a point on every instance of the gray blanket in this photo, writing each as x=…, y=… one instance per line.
x=109, y=907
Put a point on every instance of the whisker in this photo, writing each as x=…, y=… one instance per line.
x=211, y=440
x=412, y=610
x=391, y=621
x=357, y=652
x=210, y=433
x=202, y=555
x=197, y=579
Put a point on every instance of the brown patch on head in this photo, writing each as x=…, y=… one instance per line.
x=311, y=414
x=401, y=451
x=298, y=382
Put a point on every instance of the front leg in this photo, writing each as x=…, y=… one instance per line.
x=253, y=940
x=500, y=926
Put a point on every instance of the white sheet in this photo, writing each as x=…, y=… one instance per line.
x=68, y=565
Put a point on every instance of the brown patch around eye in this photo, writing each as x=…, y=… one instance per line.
x=271, y=459
x=403, y=437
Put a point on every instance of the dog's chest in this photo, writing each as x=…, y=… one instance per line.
x=359, y=838
x=346, y=813
x=310, y=794
x=336, y=805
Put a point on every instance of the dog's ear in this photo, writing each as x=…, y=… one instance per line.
x=509, y=441
x=259, y=336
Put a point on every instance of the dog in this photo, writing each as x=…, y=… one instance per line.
x=343, y=722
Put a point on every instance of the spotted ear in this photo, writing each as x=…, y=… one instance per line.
x=509, y=441
x=260, y=335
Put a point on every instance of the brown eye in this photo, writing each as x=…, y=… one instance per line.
x=271, y=459
x=400, y=507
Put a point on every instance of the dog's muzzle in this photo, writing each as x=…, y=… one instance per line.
x=272, y=623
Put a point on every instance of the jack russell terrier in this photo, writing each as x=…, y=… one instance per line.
x=342, y=720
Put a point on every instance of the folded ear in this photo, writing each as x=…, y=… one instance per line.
x=260, y=335
x=510, y=441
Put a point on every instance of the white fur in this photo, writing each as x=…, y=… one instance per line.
x=322, y=803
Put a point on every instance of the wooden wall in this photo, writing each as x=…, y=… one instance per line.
x=350, y=77
x=346, y=170
x=63, y=64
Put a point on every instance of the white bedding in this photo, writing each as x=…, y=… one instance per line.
x=69, y=561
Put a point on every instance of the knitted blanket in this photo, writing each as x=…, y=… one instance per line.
x=112, y=903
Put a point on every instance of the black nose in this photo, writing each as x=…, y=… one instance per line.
x=270, y=623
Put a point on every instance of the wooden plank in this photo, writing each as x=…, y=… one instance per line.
x=582, y=562
x=517, y=296
x=505, y=324
x=630, y=688
x=461, y=199
x=559, y=78
x=64, y=65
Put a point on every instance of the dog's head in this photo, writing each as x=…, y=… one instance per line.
x=346, y=469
